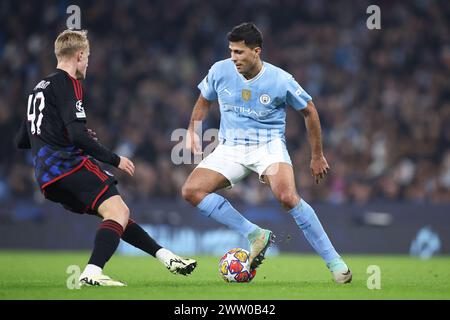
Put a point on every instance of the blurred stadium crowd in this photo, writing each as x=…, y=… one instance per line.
x=383, y=95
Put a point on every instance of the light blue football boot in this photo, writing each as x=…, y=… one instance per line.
x=341, y=273
x=260, y=240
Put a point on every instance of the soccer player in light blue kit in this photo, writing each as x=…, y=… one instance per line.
x=253, y=96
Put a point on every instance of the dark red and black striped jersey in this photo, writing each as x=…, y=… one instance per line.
x=55, y=102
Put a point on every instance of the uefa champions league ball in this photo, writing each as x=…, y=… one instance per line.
x=234, y=266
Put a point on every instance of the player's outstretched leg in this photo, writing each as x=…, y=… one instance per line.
x=138, y=237
x=307, y=220
x=281, y=179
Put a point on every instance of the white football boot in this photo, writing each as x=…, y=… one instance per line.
x=100, y=280
x=180, y=265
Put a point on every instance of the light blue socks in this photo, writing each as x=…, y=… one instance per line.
x=218, y=208
x=307, y=220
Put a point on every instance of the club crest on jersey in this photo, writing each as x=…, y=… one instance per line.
x=246, y=94
x=264, y=99
x=79, y=106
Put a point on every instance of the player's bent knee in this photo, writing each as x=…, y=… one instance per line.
x=125, y=214
x=120, y=215
x=115, y=209
x=191, y=194
x=288, y=199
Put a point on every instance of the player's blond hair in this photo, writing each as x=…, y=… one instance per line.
x=69, y=42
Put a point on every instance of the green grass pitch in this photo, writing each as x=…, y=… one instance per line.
x=42, y=275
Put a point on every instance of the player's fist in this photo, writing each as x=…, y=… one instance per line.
x=193, y=142
x=319, y=168
x=126, y=165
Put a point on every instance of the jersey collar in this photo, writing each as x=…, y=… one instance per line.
x=260, y=73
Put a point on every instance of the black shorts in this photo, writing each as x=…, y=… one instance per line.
x=84, y=190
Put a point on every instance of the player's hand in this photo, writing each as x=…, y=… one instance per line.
x=126, y=165
x=319, y=168
x=92, y=134
x=193, y=143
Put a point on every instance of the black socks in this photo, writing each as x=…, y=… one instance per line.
x=106, y=242
x=137, y=237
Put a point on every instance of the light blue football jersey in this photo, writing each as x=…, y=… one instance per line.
x=252, y=111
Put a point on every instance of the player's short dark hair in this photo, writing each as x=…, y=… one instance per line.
x=247, y=32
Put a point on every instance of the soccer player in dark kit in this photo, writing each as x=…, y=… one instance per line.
x=64, y=153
